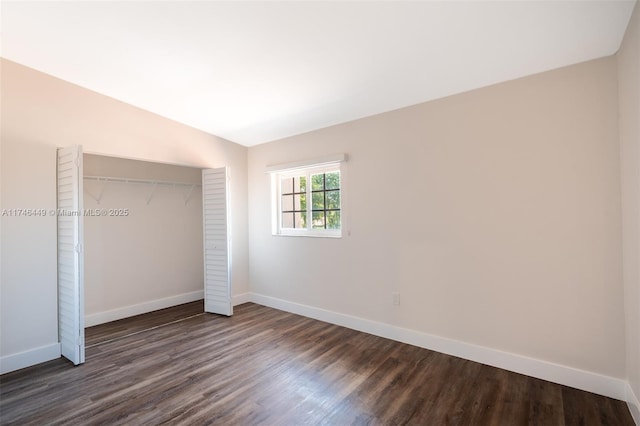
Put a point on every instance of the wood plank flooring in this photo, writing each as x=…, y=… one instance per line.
x=263, y=366
x=136, y=324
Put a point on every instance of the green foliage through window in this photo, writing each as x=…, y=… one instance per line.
x=325, y=194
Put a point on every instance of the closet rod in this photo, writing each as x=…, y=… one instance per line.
x=139, y=181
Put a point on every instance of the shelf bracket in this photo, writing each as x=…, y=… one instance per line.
x=99, y=197
x=153, y=190
x=188, y=196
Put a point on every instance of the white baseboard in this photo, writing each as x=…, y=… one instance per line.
x=28, y=358
x=634, y=404
x=239, y=299
x=141, y=308
x=564, y=375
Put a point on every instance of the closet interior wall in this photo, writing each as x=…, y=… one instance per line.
x=143, y=241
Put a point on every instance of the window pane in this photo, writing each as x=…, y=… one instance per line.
x=318, y=220
x=300, y=202
x=287, y=202
x=300, y=184
x=310, y=201
x=301, y=219
x=332, y=180
x=333, y=220
x=318, y=200
x=317, y=182
x=286, y=185
x=287, y=220
x=333, y=199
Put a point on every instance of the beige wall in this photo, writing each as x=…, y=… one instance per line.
x=494, y=213
x=629, y=110
x=151, y=254
x=41, y=113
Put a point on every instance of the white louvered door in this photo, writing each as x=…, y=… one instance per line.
x=70, y=254
x=217, y=242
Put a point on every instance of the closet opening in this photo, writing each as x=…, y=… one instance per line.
x=151, y=236
x=143, y=245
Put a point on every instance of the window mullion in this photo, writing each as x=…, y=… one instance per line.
x=324, y=198
x=309, y=202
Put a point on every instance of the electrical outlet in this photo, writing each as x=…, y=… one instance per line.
x=395, y=298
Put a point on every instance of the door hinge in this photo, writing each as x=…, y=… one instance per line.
x=80, y=248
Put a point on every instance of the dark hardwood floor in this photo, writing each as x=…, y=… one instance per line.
x=264, y=366
x=139, y=323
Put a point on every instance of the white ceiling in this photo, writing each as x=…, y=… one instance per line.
x=253, y=72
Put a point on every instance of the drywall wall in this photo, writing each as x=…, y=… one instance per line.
x=41, y=113
x=494, y=213
x=629, y=112
x=148, y=249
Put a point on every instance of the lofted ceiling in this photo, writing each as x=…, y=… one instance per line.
x=252, y=72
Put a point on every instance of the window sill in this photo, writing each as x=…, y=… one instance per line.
x=292, y=234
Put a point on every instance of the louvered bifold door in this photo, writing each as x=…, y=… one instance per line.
x=217, y=245
x=70, y=256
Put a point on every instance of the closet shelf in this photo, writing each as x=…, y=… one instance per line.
x=140, y=181
x=154, y=183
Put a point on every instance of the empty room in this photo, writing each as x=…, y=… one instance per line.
x=320, y=212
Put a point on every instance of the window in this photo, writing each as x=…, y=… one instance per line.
x=308, y=201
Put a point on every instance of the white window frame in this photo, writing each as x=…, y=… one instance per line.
x=307, y=169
